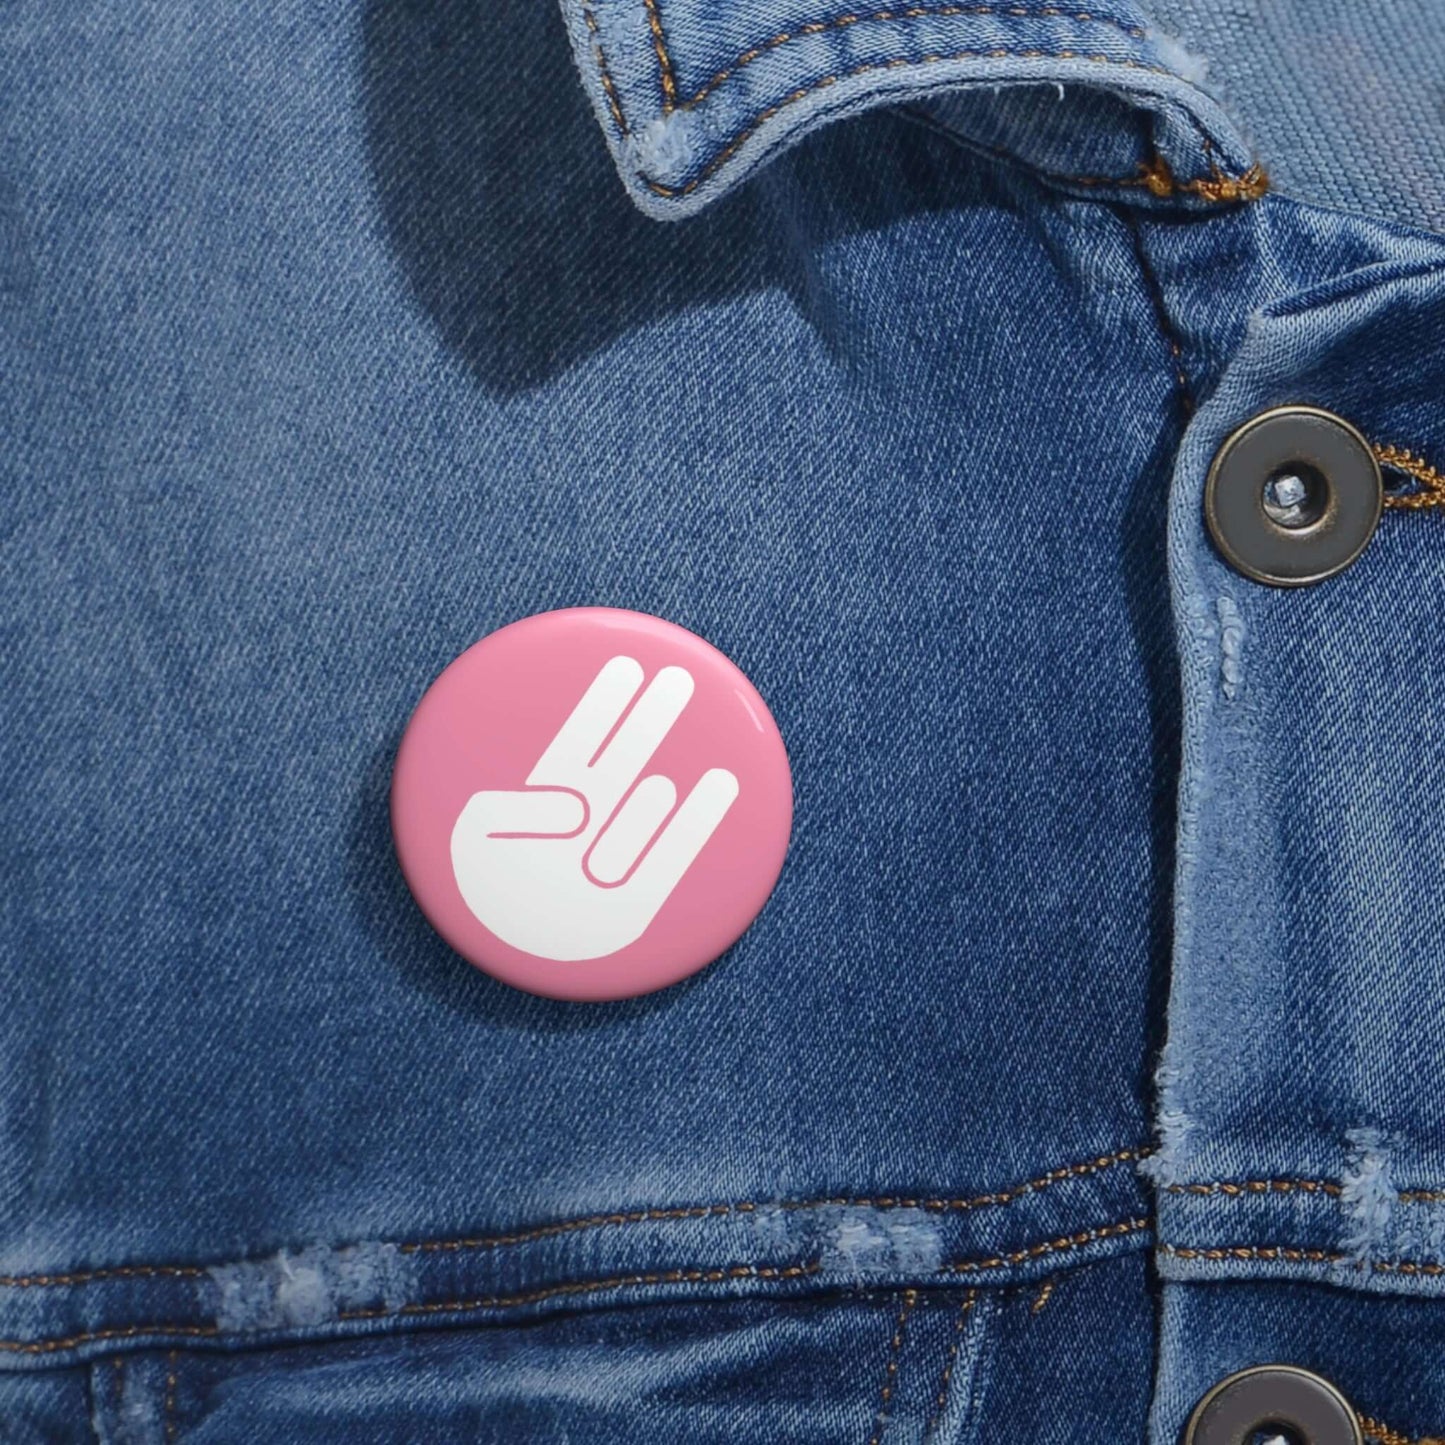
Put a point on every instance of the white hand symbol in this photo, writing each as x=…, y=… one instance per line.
x=569, y=867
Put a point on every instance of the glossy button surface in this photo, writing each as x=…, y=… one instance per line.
x=591, y=803
x=1293, y=496
x=1273, y=1399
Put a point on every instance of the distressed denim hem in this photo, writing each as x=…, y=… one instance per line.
x=1088, y=1210
x=1359, y=1232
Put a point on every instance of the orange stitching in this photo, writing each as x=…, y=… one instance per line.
x=582, y=1287
x=1156, y=175
x=1217, y=187
x=1145, y=174
x=1386, y=1436
x=1053, y=1246
x=593, y=1286
x=1045, y=1295
x=1376, y=1431
x=1234, y=1188
x=636, y=1216
x=118, y=1363
x=664, y=60
x=1432, y=496
x=1250, y=186
x=168, y=1414
x=613, y=103
x=1297, y=1255
x=85, y=1276
x=941, y=1400
x=999, y=1197
x=569, y=1226
x=1254, y=1251
x=130, y=1332
x=913, y=12
x=890, y=1374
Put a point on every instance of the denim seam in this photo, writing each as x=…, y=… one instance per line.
x=995, y=1199
x=940, y=1403
x=1295, y=1254
x=1215, y=188
x=1167, y=330
x=890, y=1371
x=1153, y=175
x=913, y=12
x=1238, y=1188
x=1044, y=1296
x=574, y=1289
x=1052, y=1246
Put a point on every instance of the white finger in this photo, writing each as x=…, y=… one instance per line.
x=640, y=733
x=682, y=840
x=535, y=812
x=579, y=739
x=631, y=829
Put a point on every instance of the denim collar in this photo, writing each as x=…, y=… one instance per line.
x=694, y=95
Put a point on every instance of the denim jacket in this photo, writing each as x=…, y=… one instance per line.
x=1091, y=1046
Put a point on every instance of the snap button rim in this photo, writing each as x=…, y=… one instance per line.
x=1260, y=548
x=1213, y=1422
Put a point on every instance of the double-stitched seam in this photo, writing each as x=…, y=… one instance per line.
x=1384, y=1435
x=1298, y=1255
x=1051, y=1246
x=890, y=1372
x=461, y=1306
x=572, y=1289
x=1156, y=175
x=591, y=1286
x=1238, y=1188
x=940, y=1400
x=997, y=1198
x=902, y=63
x=1432, y=494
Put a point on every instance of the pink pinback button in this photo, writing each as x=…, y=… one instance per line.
x=591, y=803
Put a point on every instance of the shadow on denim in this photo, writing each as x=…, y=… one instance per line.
x=512, y=227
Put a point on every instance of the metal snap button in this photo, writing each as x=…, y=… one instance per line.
x=1293, y=496
x=1279, y=1400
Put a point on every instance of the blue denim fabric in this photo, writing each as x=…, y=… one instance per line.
x=330, y=343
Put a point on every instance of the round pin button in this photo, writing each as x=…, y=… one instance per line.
x=591, y=803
